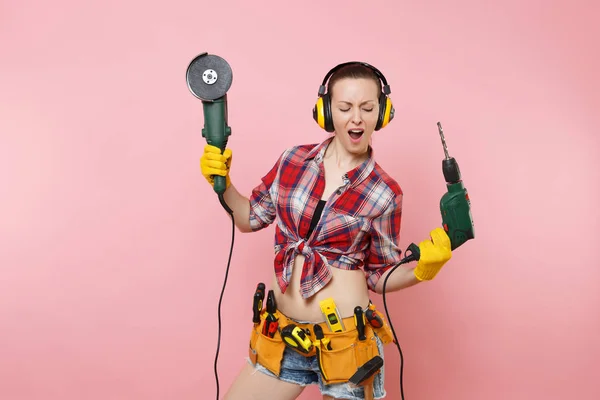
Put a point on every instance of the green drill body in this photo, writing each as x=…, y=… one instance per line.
x=455, y=206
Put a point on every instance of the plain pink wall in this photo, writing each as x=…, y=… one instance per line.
x=113, y=247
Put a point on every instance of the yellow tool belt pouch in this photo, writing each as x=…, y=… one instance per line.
x=267, y=351
x=339, y=354
x=344, y=353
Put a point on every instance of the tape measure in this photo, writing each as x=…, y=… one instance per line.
x=297, y=338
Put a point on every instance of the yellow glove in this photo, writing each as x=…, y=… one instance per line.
x=213, y=162
x=434, y=254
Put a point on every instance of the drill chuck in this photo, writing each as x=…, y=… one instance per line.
x=451, y=171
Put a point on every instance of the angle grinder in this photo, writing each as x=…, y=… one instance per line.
x=209, y=77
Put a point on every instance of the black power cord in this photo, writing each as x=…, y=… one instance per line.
x=230, y=212
x=412, y=249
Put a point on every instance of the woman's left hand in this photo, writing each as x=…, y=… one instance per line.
x=434, y=254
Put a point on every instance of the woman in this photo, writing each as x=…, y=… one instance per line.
x=337, y=216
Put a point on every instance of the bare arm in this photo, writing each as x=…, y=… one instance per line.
x=401, y=278
x=240, y=205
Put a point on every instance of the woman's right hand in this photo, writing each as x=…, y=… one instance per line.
x=213, y=163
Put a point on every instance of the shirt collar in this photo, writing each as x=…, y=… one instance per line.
x=355, y=175
x=318, y=151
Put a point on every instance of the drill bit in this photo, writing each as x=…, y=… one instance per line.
x=443, y=140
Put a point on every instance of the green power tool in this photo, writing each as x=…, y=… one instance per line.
x=457, y=221
x=455, y=204
x=209, y=77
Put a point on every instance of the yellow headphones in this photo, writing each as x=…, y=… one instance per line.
x=322, y=109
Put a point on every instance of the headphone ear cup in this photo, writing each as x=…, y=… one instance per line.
x=327, y=116
x=318, y=113
x=386, y=111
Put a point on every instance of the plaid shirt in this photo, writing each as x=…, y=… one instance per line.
x=359, y=227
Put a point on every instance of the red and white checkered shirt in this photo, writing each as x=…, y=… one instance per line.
x=359, y=226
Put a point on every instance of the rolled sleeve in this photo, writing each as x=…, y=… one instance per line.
x=262, y=200
x=384, y=251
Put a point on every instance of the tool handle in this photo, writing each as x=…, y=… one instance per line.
x=318, y=331
x=257, y=304
x=359, y=320
x=260, y=288
x=271, y=306
x=256, y=307
x=216, y=131
x=369, y=391
x=455, y=207
x=219, y=184
x=321, y=336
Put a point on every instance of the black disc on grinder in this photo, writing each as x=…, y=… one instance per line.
x=209, y=77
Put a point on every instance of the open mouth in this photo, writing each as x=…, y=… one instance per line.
x=356, y=134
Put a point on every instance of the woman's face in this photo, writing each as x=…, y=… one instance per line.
x=355, y=108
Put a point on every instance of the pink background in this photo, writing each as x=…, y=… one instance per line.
x=113, y=247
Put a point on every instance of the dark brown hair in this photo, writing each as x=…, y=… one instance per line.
x=354, y=71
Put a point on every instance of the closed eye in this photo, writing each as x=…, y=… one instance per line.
x=364, y=109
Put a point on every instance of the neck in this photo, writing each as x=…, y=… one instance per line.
x=343, y=159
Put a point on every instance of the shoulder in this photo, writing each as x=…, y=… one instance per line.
x=297, y=154
x=388, y=182
x=382, y=191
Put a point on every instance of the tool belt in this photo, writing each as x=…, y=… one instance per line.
x=340, y=354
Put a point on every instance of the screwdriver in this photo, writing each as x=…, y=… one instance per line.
x=318, y=330
x=257, y=303
x=321, y=336
x=359, y=321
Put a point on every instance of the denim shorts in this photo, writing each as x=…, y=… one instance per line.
x=303, y=371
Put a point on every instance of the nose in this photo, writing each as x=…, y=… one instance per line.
x=356, y=117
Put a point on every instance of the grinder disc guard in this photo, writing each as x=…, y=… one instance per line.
x=209, y=77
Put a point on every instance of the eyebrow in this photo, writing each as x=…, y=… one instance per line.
x=364, y=102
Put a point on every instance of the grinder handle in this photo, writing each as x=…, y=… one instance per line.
x=219, y=185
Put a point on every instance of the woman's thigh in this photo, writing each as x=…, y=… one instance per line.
x=251, y=384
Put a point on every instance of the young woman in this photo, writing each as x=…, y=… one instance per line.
x=337, y=218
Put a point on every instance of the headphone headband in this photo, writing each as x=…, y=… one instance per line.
x=386, y=88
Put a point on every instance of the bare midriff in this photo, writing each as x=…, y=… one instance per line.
x=348, y=289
